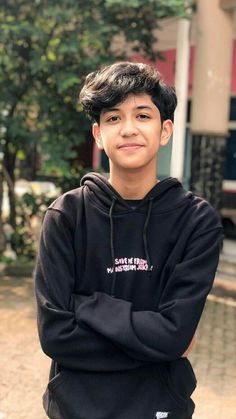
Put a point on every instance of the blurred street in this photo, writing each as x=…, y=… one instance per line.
x=214, y=359
x=24, y=368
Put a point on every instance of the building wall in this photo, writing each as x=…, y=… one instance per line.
x=167, y=45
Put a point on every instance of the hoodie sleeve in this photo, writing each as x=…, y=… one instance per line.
x=70, y=344
x=163, y=335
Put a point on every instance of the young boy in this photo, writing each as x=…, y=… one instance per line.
x=124, y=265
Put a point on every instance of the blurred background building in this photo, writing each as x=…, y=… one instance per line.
x=205, y=159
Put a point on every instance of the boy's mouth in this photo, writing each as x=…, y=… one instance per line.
x=130, y=146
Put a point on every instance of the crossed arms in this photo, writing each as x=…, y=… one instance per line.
x=99, y=332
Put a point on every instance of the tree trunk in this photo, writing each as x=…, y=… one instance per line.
x=9, y=174
x=207, y=169
x=2, y=236
x=29, y=166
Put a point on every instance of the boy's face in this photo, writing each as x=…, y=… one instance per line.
x=131, y=133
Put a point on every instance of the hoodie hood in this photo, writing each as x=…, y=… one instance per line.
x=104, y=194
x=155, y=201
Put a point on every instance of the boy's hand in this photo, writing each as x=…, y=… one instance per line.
x=192, y=343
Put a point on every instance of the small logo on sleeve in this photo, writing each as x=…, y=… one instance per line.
x=160, y=415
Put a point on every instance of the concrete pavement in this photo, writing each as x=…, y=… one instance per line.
x=24, y=368
x=227, y=264
x=214, y=360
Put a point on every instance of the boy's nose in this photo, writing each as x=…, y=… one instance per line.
x=128, y=129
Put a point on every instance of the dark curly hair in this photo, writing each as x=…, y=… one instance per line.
x=107, y=87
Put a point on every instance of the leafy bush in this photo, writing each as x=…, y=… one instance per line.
x=72, y=179
x=23, y=240
x=30, y=209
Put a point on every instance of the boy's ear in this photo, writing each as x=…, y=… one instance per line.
x=97, y=135
x=167, y=130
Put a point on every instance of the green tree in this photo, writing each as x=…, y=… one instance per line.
x=46, y=49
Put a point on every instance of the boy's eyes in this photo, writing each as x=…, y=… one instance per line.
x=143, y=116
x=115, y=118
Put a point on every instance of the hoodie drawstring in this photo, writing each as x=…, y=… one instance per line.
x=150, y=267
x=112, y=246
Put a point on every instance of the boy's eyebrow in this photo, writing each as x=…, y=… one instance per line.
x=106, y=110
x=144, y=107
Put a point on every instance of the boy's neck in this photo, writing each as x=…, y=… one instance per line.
x=133, y=186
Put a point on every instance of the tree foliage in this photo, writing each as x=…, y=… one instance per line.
x=46, y=49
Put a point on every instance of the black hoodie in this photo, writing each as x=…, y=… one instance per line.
x=120, y=288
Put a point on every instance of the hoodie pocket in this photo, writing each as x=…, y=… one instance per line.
x=56, y=380
x=133, y=394
x=180, y=379
x=49, y=401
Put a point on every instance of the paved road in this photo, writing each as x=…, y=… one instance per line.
x=24, y=369
x=214, y=360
